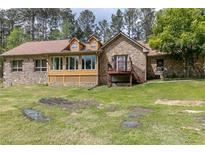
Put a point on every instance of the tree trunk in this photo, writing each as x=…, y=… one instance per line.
x=189, y=65
x=32, y=27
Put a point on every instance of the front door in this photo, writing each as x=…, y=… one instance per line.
x=121, y=62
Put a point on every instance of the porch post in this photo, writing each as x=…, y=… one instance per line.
x=130, y=79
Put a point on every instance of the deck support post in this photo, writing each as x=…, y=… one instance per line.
x=109, y=80
x=130, y=79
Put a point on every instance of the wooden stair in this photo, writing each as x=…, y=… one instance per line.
x=134, y=73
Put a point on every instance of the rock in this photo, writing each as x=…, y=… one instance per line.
x=130, y=124
x=35, y=115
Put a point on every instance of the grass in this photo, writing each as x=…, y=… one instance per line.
x=165, y=125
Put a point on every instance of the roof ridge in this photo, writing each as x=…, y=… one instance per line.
x=35, y=41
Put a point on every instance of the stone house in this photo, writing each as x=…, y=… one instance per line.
x=63, y=62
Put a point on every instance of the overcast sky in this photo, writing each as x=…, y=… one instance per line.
x=99, y=13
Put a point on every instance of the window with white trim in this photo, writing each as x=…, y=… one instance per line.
x=40, y=65
x=88, y=62
x=56, y=63
x=74, y=45
x=93, y=45
x=17, y=65
x=72, y=62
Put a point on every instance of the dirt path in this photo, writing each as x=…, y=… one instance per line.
x=180, y=102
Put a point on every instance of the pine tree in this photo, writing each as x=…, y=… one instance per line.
x=147, y=19
x=86, y=22
x=103, y=30
x=117, y=23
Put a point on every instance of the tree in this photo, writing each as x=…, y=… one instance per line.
x=117, y=22
x=68, y=23
x=103, y=30
x=180, y=32
x=55, y=34
x=78, y=32
x=28, y=16
x=131, y=19
x=47, y=19
x=16, y=38
x=14, y=18
x=147, y=18
x=2, y=29
x=86, y=22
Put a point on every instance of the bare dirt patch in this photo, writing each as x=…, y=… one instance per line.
x=139, y=111
x=180, y=102
x=193, y=111
x=116, y=113
x=69, y=104
x=202, y=120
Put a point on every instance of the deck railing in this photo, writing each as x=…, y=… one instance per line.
x=120, y=66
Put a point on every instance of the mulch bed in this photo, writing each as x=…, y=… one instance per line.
x=68, y=104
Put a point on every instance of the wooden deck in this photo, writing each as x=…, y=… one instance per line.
x=115, y=71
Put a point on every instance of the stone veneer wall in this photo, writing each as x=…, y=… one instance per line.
x=121, y=46
x=27, y=76
x=174, y=68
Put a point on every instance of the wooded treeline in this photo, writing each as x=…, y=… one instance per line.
x=28, y=24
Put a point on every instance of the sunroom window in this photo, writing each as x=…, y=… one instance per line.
x=40, y=65
x=17, y=65
x=72, y=63
x=57, y=63
x=88, y=62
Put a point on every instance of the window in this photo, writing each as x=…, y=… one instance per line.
x=160, y=64
x=57, y=63
x=88, y=62
x=74, y=46
x=72, y=63
x=93, y=45
x=17, y=65
x=40, y=65
x=121, y=62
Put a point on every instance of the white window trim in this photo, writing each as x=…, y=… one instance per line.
x=93, y=45
x=76, y=45
x=17, y=67
x=68, y=57
x=52, y=67
x=118, y=60
x=41, y=65
x=91, y=63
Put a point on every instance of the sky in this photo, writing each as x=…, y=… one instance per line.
x=99, y=13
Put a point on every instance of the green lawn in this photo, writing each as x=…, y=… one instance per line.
x=165, y=125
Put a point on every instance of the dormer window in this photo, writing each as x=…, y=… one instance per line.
x=74, y=46
x=93, y=45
